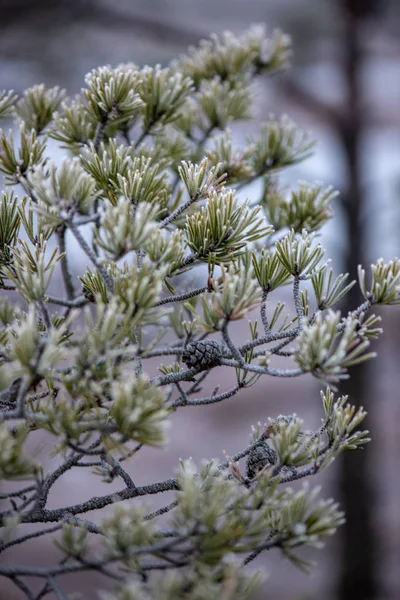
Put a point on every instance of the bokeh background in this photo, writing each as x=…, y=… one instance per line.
x=344, y=86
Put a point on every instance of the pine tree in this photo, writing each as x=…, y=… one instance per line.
x=149, y=191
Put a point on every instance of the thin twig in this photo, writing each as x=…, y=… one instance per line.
x=263, y=313
x=262, y=370
x=297, y=302
x=181, y=297
x=86, y=220
x=77, y=303
x=175, y=214
x=272, y=337
x=233, y=349
x=184, y=400
x=184, y=375
x=19, y=493
x=99, y=134
x=161, y=511
x=29, y=536
x=99, y=502
x=69, y=287
x=45, y=315
x=52, y=478
x=209, y=399
x=60, y=595
x=131, y=453
x=91, y=254
x=265, y=546
x=23, y=587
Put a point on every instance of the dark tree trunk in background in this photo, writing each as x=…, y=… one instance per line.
x=358, y=577
x=358, y=569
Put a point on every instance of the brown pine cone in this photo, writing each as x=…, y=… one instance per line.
x=202, y=355
x=261, y=456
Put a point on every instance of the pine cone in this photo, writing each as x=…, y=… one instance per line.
x=273, y=424
x=202, y=355
x=88, y=295
x=261, y=456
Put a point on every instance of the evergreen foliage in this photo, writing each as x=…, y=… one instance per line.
x=149, y=193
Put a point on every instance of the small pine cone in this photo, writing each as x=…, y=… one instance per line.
x=273, y=424
x=202, y=355
x=285, y=418
x=88, y=295
x=261, y=456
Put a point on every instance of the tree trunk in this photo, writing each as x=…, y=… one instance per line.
x=358, y=561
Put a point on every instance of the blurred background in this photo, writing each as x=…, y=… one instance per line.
x=344, y=86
